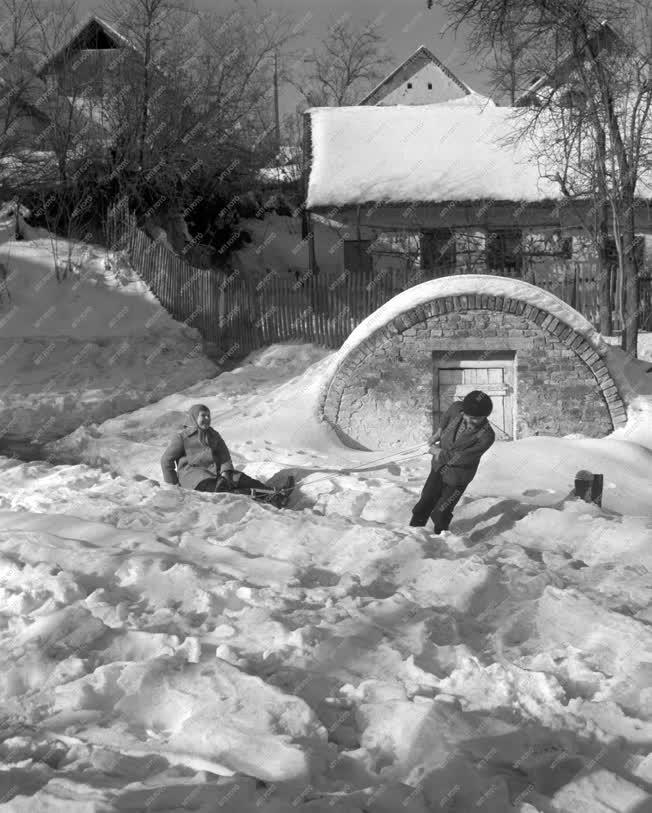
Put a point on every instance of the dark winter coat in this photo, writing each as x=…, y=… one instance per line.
x=194, y=460
x=460, y=454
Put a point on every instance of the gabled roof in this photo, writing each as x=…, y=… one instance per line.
x=395, y=155
x=92, y=25
x=448, y=151
x=415, y=62
x=604, y=32
x=110, y=28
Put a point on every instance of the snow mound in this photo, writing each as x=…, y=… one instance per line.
x=466, y=284
x=84, y=348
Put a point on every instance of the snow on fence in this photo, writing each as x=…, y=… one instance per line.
x=238, y=315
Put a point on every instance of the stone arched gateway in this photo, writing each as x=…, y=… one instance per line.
x=541, y=361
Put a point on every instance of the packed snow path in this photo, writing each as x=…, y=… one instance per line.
x=168, y=650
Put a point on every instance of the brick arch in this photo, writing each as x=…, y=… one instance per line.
x=461, y=294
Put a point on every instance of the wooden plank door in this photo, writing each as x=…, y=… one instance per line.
x=454, y=383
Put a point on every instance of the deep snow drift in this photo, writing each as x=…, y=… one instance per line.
x=86, y=347
x=169, y=650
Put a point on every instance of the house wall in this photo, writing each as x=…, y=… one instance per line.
x=443, y=87
x=92, y=71
x=382, y=395
x=447, y=251
x=477, y=214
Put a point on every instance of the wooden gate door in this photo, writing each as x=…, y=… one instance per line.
x=496, y=378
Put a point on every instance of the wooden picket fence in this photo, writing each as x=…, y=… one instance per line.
x=223, y=308
x=578, y=283
x=322, y=310
x=239, y=315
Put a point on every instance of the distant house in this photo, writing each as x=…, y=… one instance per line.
x=91, y=69
x=68, y=89
x=496, y=297
x=38, y=125
x=93, y=60
x=420, y=79
x=444, y=189
x=560, y=79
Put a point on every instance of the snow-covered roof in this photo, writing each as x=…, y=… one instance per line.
x=456, y=150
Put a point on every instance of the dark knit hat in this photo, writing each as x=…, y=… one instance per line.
x=477, y=404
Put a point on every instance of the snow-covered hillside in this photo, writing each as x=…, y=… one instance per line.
x=85, y=348
x=168, y=650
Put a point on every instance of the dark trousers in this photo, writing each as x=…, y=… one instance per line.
x=437, y=501
x=242, y=484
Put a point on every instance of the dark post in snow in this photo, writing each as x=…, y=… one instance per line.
x=588, y=486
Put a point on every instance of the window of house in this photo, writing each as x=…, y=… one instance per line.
x=357, y=256
x=504, y=252
x=429, y=85
x=612, y=251
x=409, y=85
x=566, y=248
x=547, y=244
x=438, y=248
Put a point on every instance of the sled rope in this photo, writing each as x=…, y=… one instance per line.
x=412, y=452
x=368, y=465
x=361, y=466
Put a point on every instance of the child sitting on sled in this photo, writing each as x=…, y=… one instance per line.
x=203, y=462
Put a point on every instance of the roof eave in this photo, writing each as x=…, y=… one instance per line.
x=434, y=202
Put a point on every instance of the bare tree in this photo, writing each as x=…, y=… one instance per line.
x=187, y=96
x=232, y=78
x=513, y=64
x=155, y=33
x=19, y=50
x=350, y=61
x=42, y=132
x=592, y=118
x=199, y=99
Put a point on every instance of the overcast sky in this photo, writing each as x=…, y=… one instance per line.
x=405, y=24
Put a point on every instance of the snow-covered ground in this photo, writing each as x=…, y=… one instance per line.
x=170, y=650
x=167, y=650
x=644, y=344
x=277, y=246
x=85, y=348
